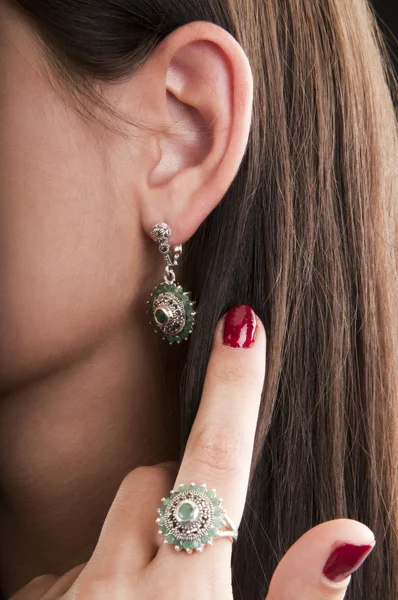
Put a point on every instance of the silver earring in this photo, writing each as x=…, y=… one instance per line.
x=170, y=306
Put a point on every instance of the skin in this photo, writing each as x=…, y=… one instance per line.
x=85, y=400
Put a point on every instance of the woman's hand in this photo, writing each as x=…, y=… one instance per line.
x=130, y=560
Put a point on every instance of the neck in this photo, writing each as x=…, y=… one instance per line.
x=67, y=441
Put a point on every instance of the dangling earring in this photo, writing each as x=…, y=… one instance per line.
x=170, y=307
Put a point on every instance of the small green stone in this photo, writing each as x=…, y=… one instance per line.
x=186, y=511
x=216, y=502
x=170, y=538
x=211, y=494
x=161, y=316
x=212, y=531
x=182, y=488
x=218, y=511
x=205, y=538
x=188, y=544
x=195, y=544
x=217, y=522
x=163, y=529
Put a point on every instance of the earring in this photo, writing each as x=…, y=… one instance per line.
x=170, y=306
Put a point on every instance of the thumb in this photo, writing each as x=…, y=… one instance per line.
x=320, y=563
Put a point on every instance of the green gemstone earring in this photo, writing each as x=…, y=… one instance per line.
x=170, y=306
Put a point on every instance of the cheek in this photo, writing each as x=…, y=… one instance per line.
x=53, y=262
x=61, y=263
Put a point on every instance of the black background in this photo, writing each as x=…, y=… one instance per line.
x=387, y=11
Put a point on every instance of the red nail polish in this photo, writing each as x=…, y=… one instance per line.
x=344, y=560
x=240, y=326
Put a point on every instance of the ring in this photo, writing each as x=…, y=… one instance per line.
x=191, y=518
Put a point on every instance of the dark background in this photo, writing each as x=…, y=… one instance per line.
x=386, y=11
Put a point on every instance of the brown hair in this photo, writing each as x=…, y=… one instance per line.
x=307, y=236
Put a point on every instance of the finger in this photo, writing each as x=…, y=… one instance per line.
x=319, y=565
x=63, y=584
x=220, y=445
x=129, y=538
x=36, y=588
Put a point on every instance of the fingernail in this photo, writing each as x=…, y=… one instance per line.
x=240, y=326
x=345, y=560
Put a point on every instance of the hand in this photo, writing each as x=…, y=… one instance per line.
x=131, y=561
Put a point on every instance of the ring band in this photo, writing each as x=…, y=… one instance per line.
x=192, y=517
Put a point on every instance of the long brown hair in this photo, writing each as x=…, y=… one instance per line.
x=307, y=236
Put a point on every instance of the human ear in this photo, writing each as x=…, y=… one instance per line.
x=196, y=90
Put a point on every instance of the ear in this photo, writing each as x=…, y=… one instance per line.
x=196, y=91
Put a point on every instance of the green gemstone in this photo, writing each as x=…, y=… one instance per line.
x=195, y=544
x=218, y=511
x=161, y=316
x=217, y=522
x=186, y=511
x=163, y=529
x=188, y=544
x=170, y=538
x=212, y=531
x=211, y=494
x=205, y=538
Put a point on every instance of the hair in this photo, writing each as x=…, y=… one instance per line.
x=306, y=235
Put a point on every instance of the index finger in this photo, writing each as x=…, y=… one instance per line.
x=220, y=446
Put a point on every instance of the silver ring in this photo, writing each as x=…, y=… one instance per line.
x=192, y=517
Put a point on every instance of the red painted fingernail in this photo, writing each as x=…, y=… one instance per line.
x=240, y=326
x=344, y=560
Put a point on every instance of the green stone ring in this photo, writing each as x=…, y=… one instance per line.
x=192, y=516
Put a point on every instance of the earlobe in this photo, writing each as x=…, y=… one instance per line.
x=207, y=100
